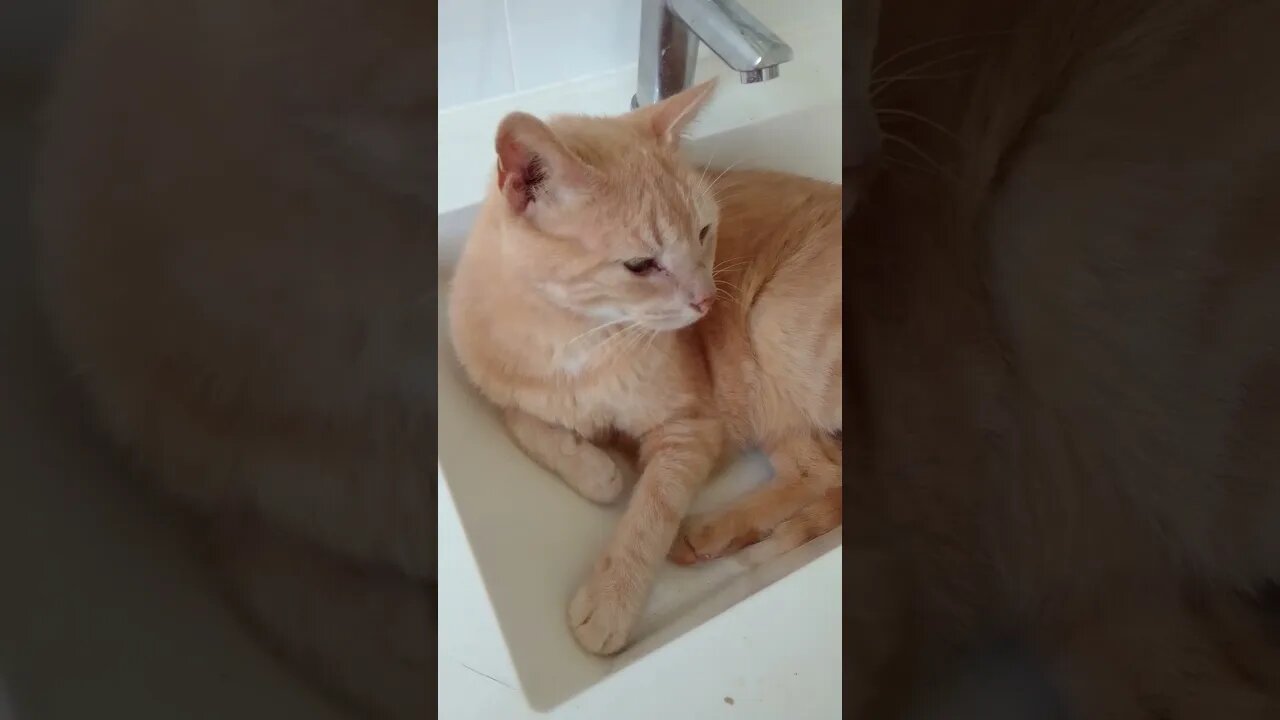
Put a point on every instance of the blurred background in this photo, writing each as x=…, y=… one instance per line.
x=102, y=613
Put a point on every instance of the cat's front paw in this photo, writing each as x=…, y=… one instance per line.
x=593, y=473
x=710, y=536
x=603, y=612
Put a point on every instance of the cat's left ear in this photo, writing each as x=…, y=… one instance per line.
x=534, y=166
x=672, y=116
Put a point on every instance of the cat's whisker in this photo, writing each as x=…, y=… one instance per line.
x=703, y=175
x=935, y=42
x=604, y=351
x=722, y=173
x=726, y=283
x=622, y=348
x=706, y=187
x=653, y=335
x=711, y=186
x=730, y=191
x=877, y=86
x=911, y=75
x=633, y=340
x=592, y=331
x=727, y=296
x=899, y=162
x=924, y=65
x=915, y=167
x=638, y=330
x=736, y=299
x=613, y=339
x=922, y=154
x=916, y=116
x=722, y=199
x=736, y=260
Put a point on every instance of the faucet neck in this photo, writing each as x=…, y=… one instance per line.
x=671, y=30
x=668, y=54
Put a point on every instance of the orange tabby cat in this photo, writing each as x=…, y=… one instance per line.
x=584, y=305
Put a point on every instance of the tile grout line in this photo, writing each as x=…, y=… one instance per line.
x=511, y=46
x=803, y=29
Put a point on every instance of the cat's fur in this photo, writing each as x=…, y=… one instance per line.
x=235, y=222
x=553, y=328
x=1065, y=333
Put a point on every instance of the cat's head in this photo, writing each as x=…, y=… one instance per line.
x=605, y=218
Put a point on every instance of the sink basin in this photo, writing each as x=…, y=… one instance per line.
x=533, y=539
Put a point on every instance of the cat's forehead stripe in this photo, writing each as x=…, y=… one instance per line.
x=654, y=235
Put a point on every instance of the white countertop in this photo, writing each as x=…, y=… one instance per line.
x=775, y=655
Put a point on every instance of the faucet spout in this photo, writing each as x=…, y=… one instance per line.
x=762, y=75
x=670, y=31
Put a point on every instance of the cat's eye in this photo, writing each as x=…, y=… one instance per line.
x=702, y=234
x=640, y=266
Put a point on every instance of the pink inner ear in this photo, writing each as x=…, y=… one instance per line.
x=520, y=172
x=511, y=159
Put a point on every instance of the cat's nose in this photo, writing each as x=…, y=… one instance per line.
x=702, y=304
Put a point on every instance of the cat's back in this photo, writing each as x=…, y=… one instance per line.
x=768, y=215
x=779, y=232
x=775, y=336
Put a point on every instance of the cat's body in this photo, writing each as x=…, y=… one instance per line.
x=235, y=216
x=539, y=304
x=1068, y=337
x=775, y=349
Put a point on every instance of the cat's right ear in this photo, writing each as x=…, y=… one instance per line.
x=670, y=118
x=533, y=165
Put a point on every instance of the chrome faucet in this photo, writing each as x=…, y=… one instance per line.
x=669, y=34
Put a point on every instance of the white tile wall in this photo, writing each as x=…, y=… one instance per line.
x=550, y=41
x=473, y=52
x=557, y=40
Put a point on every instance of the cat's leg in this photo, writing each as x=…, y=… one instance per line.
x=805, y=469
x=812, y=521
x=583, y=466
x=676, y=459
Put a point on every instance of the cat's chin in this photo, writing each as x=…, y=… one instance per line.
x=678, y=322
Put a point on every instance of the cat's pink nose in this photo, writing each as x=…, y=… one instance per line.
x=703, y=304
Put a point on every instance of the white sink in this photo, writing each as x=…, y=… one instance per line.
x=533, y=539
